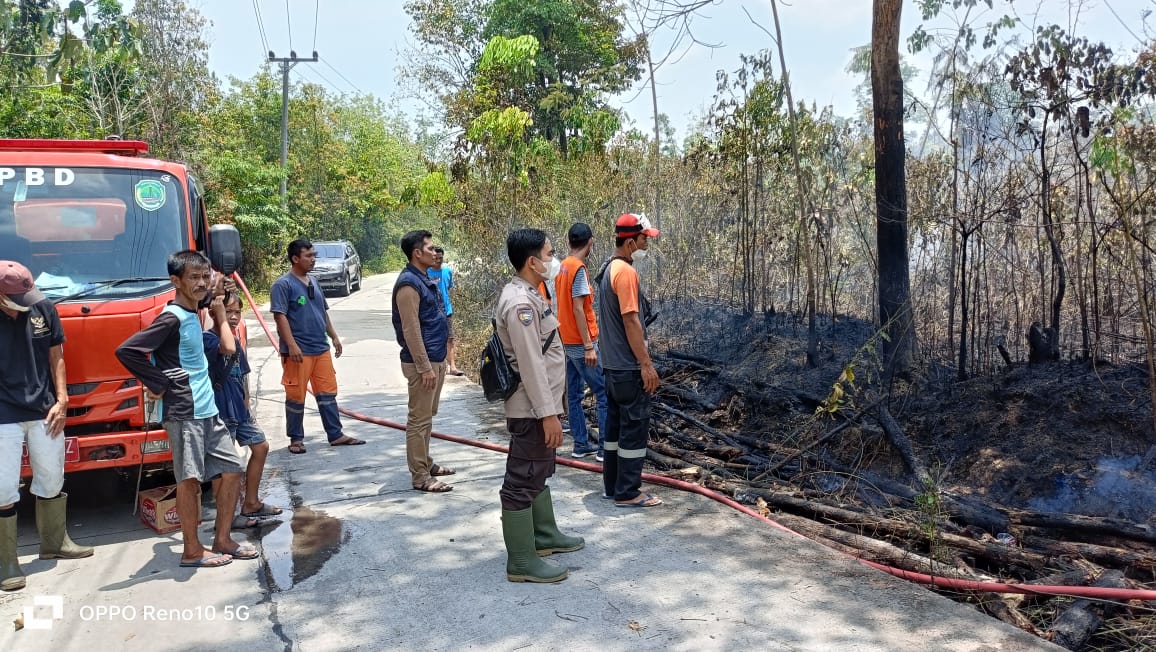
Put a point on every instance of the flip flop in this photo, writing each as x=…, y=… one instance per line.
x=297, y=447
x=456, y=372
x=264, y=512
x=649, y=501
x=350, y=441
x=244, y=522
x=242, y=551
x=438, y=470
x=434, y=487
x=211, y=561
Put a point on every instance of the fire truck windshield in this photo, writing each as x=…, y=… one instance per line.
x=92, y=232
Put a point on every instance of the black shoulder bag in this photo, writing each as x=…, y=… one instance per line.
x=499, y=379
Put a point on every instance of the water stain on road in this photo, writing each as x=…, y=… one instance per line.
x=297, y=550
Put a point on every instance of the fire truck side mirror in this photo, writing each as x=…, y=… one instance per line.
x=225, y=248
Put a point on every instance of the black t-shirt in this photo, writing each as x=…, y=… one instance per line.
x=26, y=389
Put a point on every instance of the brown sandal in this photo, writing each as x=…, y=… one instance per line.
x=438, y=470
x=297, y=447
x=346, y=440
x=434, y=487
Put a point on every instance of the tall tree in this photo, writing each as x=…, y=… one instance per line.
x=175, y=62
x=891, y=189
x=450, y=44
x=583, y=58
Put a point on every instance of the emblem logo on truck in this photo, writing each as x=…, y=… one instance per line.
x=149, y=194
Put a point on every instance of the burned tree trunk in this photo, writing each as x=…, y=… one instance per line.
x=1042, y=346
x=895, y=315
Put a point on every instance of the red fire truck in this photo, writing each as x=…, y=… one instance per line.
x=95, y=222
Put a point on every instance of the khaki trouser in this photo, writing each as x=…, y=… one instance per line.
x=423, y=406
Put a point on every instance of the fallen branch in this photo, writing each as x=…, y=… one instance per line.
x=996, y=552
x=1084, y=524
x=960, y=508
x=1006, y=608
x=714, y=432
x=665, y=460
x=697, y=459
x=1102, y=555
x=872, y=549
x=689, y=396
x=1077, y=623
x=902, y=444
x=828, y=436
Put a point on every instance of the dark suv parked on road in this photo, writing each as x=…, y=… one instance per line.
x=338, y=267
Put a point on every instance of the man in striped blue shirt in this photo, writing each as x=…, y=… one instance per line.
x=168, y=357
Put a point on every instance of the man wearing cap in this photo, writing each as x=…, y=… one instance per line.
x=578, y=329
x=33, y=407
x=623, y=315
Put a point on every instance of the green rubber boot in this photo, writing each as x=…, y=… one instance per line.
x=547, y=538
x=523, y=563
x=11, y=577
x=52, y=526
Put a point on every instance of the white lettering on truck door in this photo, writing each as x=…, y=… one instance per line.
x=38, y=177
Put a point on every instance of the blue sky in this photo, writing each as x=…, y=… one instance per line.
x=361, y=43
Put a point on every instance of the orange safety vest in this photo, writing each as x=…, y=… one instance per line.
x=564, y=284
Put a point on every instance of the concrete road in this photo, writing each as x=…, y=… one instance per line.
x=363, y=562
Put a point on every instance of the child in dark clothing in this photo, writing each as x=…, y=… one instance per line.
x=228, y=373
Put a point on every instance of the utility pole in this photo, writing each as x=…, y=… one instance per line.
x=287, y=64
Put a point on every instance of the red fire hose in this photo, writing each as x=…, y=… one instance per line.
x=920, y=578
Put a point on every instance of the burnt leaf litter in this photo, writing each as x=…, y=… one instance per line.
x=1033, y=473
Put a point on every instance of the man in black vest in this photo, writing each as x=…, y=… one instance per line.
x=419, y=321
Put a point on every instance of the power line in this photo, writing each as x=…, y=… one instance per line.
x=310, y=79
x=359, y=91
x=1121, y=21
x=261, y=28
x=333, y=87
x=289, y=23
x=316, y=14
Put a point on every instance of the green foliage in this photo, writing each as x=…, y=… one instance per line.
x=931, y=510
x=87, y=70
x=510, y=56
x=583, y=57
x=433, y=189
x=503, y=129
x=43, y=113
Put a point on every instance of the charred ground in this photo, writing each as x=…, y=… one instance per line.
x=1007, y=452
